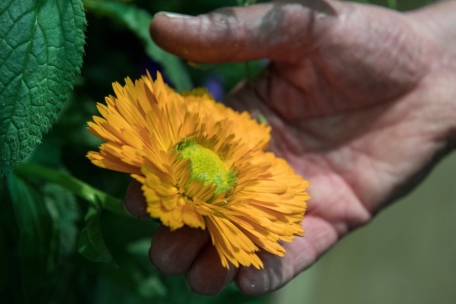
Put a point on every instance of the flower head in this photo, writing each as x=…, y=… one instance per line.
x=203, y=165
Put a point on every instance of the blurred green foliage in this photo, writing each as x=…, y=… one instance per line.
x=53, y=224
x=54, y=229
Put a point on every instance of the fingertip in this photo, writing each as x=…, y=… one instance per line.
x=258, y=282
x=207, y=276
x=171, y=15
x=215, y=37
x=265, y=30
x=173, y=252
x=135, y=202
x=171, y=32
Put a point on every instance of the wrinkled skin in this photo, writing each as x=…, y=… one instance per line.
x=362, y=103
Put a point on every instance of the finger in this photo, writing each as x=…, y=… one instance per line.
x=301, y=254
x=173, y=252
x=135, y=202
x=244, y=33
x=207, y=276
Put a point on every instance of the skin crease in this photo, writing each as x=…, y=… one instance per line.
x=361, y=101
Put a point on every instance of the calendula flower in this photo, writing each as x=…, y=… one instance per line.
x=203, y=165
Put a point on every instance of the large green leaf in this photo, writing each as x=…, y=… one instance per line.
x=41, y=43
x=138, y=21
x=46, y=221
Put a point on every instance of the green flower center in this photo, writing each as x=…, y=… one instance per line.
x=207, y=166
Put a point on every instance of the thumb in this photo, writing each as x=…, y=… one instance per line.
x=280, y=31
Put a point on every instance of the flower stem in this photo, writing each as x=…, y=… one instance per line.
x=78, y=187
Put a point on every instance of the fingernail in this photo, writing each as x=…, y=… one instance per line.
x=174, y=15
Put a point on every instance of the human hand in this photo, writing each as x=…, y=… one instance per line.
x=361, y=104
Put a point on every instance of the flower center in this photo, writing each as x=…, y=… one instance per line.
x=207, y=166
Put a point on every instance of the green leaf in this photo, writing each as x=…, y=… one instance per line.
x=47, y=234
x=91, y=244
x=149, y=285
x=152, y=287
x=392, y=4
x=64, y=210
x=41, y=43
x=138, y=21
x=261, y=119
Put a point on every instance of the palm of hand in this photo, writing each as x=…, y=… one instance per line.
x=349, y=117
x=348, y=104
x=346, y=114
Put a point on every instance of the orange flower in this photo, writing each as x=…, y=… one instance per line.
x=202, y=165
